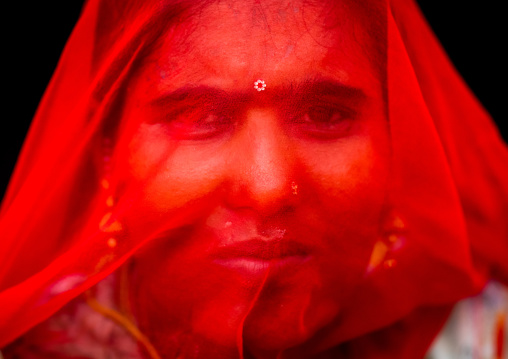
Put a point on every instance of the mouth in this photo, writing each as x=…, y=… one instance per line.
x=257, y=255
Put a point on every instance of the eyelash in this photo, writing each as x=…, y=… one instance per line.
x=198, y=122
x=326, y=112
x=317, y=119
x=322, y=119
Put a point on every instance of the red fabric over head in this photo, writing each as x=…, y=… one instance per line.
x=274, y=179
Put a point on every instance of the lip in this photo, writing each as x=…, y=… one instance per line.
x=257, y=255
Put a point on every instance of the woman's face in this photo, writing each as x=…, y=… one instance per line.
x=266, y=203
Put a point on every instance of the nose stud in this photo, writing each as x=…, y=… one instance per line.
x=294, y=187
x=259, y=85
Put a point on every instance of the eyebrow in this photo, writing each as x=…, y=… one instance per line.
x=308, y=89
x=190, y=93
x=322, y=87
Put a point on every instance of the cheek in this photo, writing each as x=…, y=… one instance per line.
x=355, y=172
x=173, y=174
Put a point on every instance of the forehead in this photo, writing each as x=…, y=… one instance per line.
x=230, y=44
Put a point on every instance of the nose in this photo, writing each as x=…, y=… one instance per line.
x=262, y=167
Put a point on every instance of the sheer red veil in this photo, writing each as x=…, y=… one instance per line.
x=72, y=215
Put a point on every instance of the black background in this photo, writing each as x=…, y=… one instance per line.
x=35, y=34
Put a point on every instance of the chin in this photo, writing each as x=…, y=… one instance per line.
x=284, y=320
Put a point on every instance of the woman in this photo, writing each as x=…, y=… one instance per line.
x=316, y=183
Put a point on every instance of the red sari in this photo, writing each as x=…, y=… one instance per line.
x=346, y=184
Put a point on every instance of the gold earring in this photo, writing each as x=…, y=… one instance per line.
x=108, y=225
x=392, y=239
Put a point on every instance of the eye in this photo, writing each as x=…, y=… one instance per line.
x=198, y=124
x=324, y=121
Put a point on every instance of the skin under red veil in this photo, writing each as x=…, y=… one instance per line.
x=448, y=180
